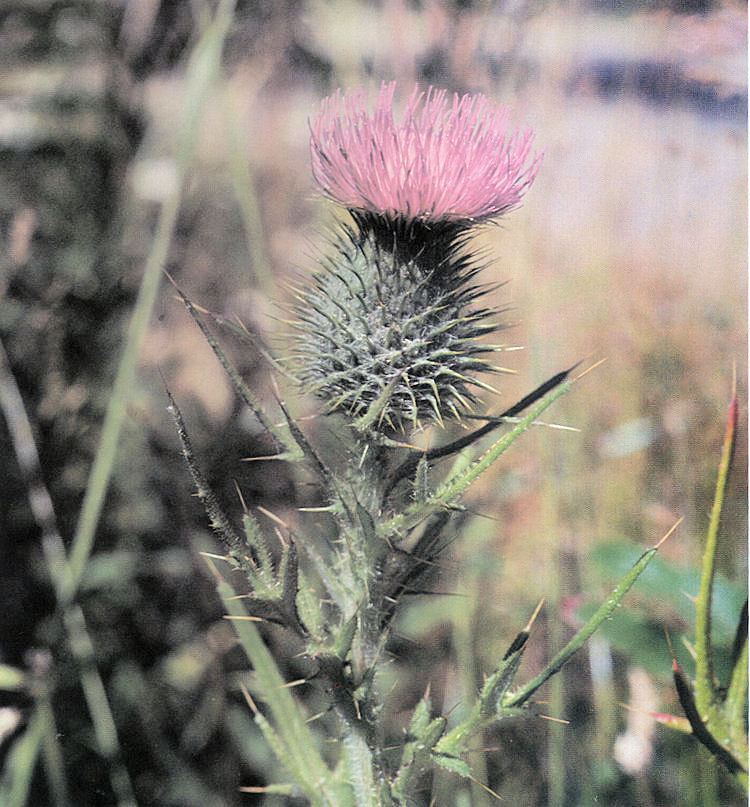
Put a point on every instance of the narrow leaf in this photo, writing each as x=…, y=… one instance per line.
x=706, y=696
x=575, y=644
x=288, y=720
x=453, y=488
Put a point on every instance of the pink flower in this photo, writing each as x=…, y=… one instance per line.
x=449, y=159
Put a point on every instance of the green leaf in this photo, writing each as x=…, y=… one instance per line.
x=288, y=721
x=455, y=486
x=454, y=765
x=706, y=695
x=669, y=583
x=577, y=642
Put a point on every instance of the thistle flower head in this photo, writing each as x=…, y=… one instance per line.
x=450, y=158
x=378, y=335
x=389, y=332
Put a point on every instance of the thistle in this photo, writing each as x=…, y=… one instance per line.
x=388, y=336
x=387, y=331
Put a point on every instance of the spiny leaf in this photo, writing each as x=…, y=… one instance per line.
x=454, y=487
x=288, y=720
x=409, y=465
x=238, y=383
x=603, y=612
x=219, y=520
x=706, y=695
x=453, y=764
x=700, y=730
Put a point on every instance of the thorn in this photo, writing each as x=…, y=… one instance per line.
x=486, y=788
x=212, y=568
x=534, y=616
x=243, y=618
x=670, y=531
x=225, y=558
x=241, y=497
x=555, y=719
x=273, y=517
x=317, y=716
x=249, y=698
x=327, y=509
x=506, y=370
x=280, y=535
x=588, y=370
x=296, y=683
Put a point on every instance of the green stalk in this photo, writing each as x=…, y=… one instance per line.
x=95, y=694
x=706, y=698
x=735, y=707
x=20, y=763
x=359, y=763
x=54, y=764
x=201, y=71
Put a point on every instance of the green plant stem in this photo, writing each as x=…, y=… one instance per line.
x=359, y=762
x=201, y=72
x=20, y=764
x=52, y=754
x=735, y=707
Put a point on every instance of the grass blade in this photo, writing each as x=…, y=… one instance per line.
x=202, y=69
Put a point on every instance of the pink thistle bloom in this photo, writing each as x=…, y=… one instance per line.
x=449, y=159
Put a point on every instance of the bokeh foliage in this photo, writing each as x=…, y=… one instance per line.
x=631, y=246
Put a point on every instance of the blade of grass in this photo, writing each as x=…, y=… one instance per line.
x=20, y=763
x=202, y=69
x=244, y=186
x=53, y=548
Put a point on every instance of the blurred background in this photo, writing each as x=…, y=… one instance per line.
x=631, y=246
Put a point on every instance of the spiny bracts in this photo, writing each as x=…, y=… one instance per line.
x=386, y=332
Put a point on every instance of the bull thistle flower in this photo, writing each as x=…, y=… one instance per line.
x=388, y=334
x=386, y=331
